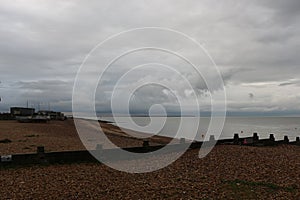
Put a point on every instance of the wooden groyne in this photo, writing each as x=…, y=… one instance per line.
x=42, y=157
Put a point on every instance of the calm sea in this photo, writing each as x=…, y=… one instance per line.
x=245, y=126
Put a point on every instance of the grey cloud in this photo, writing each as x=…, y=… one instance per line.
x=44, y=91
x=285, y=84
x=289, y=83
x=286, y=12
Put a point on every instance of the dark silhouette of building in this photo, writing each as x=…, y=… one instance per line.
x=19, y=111
x=52, y=114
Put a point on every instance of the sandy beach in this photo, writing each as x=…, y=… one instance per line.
x=58, y=136
x=228, y=172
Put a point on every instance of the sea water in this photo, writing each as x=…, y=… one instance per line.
x=245, y=126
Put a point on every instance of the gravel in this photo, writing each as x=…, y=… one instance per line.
x=228, y=172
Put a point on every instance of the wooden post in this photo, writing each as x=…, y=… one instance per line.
x=272, y=138
x=40, y=150
x=40, y=153
x=255, y=137
x=211, y=138
x=297, y=139
x=182, y=141
x=286, y=139
x=145, y=143
x=236, y=139
x=99, y=151
x=99, y=147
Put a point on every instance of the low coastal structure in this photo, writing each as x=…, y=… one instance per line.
x=6, y=116
x=52, y=114
x=20, y=111
x=17, y=112
x=41, y=156
x=28, y=115
x=34, y=118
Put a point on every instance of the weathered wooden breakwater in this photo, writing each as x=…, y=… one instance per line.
x=42, y=157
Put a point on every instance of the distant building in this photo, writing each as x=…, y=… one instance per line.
x=52, y=114
x=19, y=111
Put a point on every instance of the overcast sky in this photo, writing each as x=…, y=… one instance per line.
x=255, y=44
